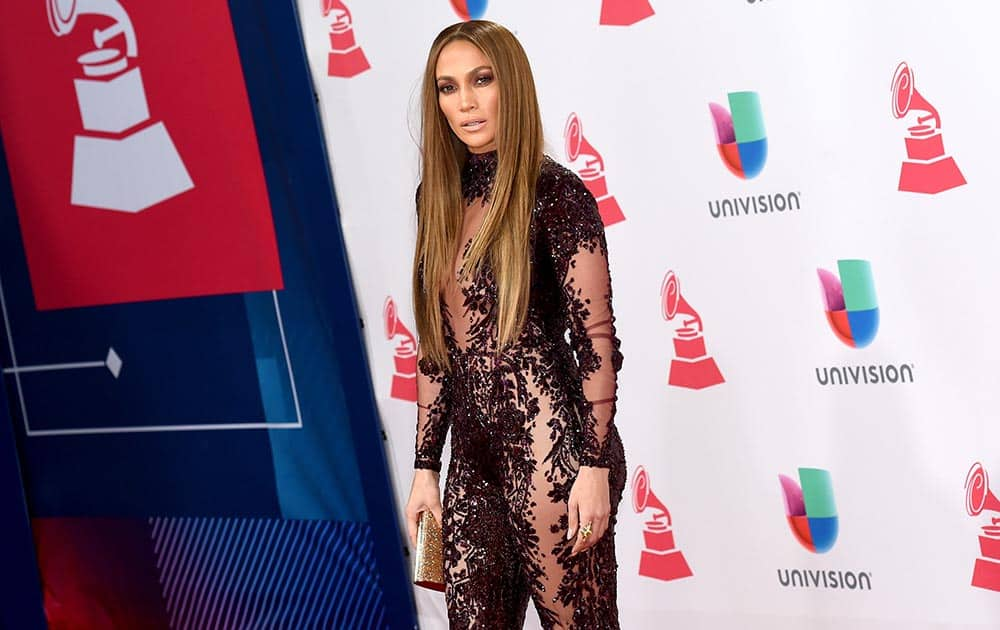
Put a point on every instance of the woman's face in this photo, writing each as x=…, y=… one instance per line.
x=468, y=95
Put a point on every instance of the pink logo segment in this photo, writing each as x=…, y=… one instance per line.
x=986, y=573
x=591, y=170
x=692, y=367
x=404, y=377
x=660, y=558
x=346, y=59
x=927, y=168
x=624, y=12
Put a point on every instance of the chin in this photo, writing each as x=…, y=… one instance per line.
x=481, y=147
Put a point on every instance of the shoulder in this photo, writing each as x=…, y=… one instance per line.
x=564, y=205
x=556, y=182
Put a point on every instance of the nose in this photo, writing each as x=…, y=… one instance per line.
x=467, y=100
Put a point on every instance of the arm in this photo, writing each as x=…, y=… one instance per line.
x=581, y=258
x=432, y=421
x=432, y=427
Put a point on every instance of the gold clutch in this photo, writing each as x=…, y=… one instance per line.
x=429, y=567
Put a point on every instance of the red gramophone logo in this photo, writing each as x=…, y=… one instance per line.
x=346, y=58
x=978, y=497
x=927, y=168
x=660, y=558
x=404, y=378
x=123, y=160
x=590, y=168
x=624, y=12
x=692, y=367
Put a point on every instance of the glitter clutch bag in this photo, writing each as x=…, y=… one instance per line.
x=428, y=570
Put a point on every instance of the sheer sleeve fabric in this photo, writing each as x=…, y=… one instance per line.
x=432, y=419
x=579, y=252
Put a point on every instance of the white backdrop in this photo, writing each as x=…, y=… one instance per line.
x=897, y=453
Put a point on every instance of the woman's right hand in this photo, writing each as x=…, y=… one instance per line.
x=425, y=494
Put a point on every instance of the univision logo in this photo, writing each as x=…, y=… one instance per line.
x=469, y=9
x=810, y=509
x=812, y=516
x=851, y=305
x=739, y=134
x=852, y=312
x=741, y=141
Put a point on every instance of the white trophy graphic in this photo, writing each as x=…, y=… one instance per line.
x=122, y=161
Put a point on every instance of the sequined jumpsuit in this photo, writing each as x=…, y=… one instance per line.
x=524, y=420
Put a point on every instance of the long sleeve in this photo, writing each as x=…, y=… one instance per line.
x=432, y=421
x=579, y=253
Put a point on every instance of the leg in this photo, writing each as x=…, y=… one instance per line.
x=569, y=592
x=484, y=580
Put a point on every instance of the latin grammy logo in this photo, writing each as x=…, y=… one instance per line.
x=624, y=12
x=138, y=166
x=660, y=558
x=692, y=367
x=592, y=172
x=346, y=59
x=404, y=378
x=927, y=169
x=978, y=497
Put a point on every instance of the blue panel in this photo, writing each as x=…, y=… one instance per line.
x=753, y=156
x=223, y=360
x=20, y=593
x=864, y=326
x=286, y=574
x=296, y=163
x=824, y=532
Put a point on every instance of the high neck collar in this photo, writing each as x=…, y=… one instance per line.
x=477, y=176
x=477, y=158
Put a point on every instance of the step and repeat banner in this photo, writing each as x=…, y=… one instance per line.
x=802, y=234
x=180, y=345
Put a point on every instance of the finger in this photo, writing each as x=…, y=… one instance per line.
x=574, y=519
x=411, y=527
x=600, y=528
x=438, y=514
x=581, y=542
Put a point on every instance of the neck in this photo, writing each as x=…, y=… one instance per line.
x=478, y=174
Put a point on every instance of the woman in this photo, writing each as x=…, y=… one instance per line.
x=510, y=255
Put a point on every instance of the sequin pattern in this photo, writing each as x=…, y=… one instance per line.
x=524, y=420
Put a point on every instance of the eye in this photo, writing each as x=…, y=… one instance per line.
x=446, y=88
x=484, y=79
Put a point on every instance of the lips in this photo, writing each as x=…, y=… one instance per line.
x=474, y=125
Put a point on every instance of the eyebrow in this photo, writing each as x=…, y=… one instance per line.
x=470, y=72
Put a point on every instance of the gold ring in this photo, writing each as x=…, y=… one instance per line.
x=585, y=531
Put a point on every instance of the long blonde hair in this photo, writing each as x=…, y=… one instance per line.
x=502, y=241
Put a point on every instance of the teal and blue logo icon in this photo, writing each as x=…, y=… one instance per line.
x=739, y=134
x=810, y=509
x=851, y=305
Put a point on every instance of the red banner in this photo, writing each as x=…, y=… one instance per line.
x=132, y=152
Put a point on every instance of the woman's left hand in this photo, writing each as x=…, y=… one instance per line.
x=589, y=503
